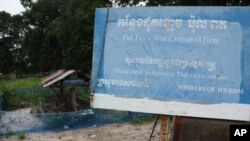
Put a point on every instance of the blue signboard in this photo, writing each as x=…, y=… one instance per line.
x=196, y=55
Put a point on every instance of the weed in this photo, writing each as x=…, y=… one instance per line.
x=21, y=136
x=141, y=120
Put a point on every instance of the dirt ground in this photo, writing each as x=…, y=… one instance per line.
x=110, y=132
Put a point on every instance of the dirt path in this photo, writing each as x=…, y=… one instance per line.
x=111, y=132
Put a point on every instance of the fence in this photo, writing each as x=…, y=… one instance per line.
x=22, y=121
x=14, y=122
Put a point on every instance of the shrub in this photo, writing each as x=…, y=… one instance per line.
x=21, y=136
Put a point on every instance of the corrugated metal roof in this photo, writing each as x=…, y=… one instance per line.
x=52, y=76
x=55, y=77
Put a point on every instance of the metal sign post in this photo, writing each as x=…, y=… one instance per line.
x=164, y=128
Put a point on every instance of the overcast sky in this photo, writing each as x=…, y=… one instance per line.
x=11, y=6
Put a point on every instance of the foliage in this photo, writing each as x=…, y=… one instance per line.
x=1, y=76
x=74, y=33
x=6, y=62
x=55, y=34
x=142, y=119
x=21, y=136
x=61, y=34
x=2, y=87
x=11, y=35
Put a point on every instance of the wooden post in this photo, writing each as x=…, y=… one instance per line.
x=73, y=98
x=164, y=128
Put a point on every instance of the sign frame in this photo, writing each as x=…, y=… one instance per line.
x=229, y=110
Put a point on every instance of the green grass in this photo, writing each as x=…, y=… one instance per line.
x=24, y=82
x=27, y=92
x=8, y=85
x=8, y=96
x=142, y=120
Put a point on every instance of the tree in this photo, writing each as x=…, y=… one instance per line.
x=5, y=43
x=17, y=33
x=38, y=40
x=11, y=35
x=60, y=34
x=75, y=34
